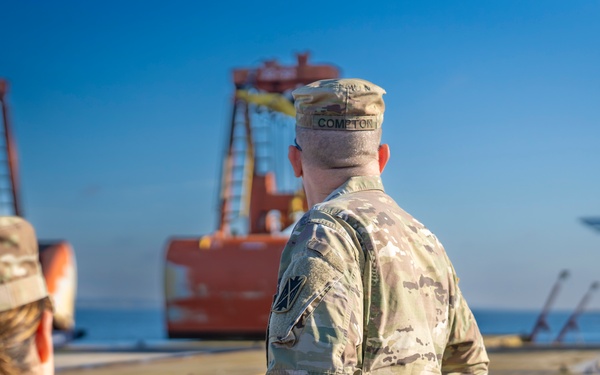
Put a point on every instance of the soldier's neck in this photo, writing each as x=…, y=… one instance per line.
x=318, y=184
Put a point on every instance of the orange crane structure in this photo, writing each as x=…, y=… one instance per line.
x=221, y=285
x=56, y=257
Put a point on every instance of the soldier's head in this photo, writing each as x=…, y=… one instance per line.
x=25, y=308
x=338, y=125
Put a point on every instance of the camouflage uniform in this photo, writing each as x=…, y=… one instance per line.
x=21, y=278
x=363, y=287
x=374, y=290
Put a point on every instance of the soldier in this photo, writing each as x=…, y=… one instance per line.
x=363, y=287
x=25, y=308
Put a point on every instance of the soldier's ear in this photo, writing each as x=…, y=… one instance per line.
x=384, y=156
x=295, y=157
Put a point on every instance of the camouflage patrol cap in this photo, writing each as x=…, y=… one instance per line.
x=21, y=279
x=339, y=104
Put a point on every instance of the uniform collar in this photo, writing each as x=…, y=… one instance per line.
x=357, y=183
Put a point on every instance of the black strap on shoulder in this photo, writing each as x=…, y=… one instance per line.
x=363, y=258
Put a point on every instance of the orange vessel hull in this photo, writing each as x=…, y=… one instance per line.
x=60, y=272
x=221, y=287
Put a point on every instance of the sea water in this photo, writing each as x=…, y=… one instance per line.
x=136, y=325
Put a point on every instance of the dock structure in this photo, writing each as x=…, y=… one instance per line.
x=248, y=358
x=571, y=323
x=541, y=323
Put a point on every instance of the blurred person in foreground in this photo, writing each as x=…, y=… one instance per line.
x=363, y=287
x=25, y=308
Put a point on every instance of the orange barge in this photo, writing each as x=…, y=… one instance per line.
x=221, y=285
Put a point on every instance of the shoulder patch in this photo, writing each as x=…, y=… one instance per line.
x=289, y=292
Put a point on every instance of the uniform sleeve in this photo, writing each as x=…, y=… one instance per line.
x=315, y=326
x=465, y=352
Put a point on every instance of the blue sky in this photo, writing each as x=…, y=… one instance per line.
x=120, y=110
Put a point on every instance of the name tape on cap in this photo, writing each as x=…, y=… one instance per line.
x=345, y=122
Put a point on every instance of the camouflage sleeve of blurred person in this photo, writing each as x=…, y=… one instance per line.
x=316, y=319
x=465, y=352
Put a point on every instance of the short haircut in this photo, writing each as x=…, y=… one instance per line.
x=329, y=149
